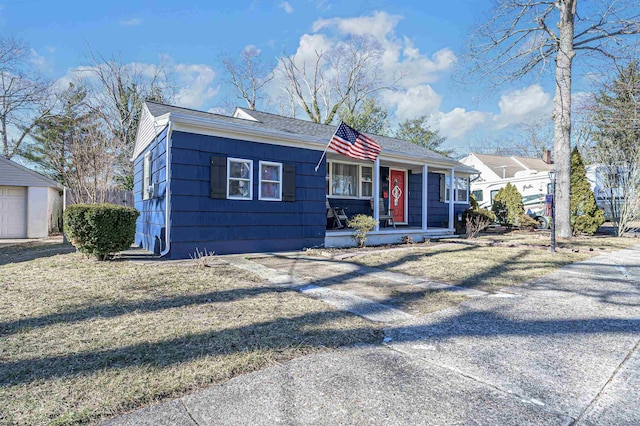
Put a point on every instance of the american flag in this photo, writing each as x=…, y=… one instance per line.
x=349, y=142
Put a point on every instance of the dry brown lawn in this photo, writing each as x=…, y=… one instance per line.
x=82, y=340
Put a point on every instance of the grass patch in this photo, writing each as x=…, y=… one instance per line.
x=82, y=340
x=472, y=265
x=597, y=243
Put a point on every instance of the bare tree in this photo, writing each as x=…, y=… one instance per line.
x=248, y=75
x=117, y=93
x=341, y=77
x=522, y=36
x=23, y=97
x=616, y=118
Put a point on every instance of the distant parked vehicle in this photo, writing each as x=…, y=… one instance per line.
x=533, y=186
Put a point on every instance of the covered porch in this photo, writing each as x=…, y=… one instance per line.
x=420, y=197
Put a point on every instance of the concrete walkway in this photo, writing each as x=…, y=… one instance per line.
x=562, y=350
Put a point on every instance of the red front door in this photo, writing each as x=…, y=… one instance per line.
x=397, y=194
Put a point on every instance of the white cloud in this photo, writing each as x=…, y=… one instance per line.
x=130, y=22
x=523, y=105
x=456, y=123
x=401, y=63
x=379, y=25
x=195, y=82
x=414, y=102
x=38, y=60
x=286, y=6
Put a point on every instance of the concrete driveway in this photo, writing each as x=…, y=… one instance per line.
x=562, y=350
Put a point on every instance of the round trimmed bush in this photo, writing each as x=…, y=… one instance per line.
x=100, y=230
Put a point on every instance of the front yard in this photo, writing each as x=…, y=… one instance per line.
x=82, y=341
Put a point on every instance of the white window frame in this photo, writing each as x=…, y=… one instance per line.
x=250, y=179
x=260, y=180
x=447, y=189
x=362, y=181
x=358, y=183
x=146, y=176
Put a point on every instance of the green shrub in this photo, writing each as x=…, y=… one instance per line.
x=507, y=206
x=100, y=229
x=585, y=215
x=526, y=221
x=362, y=224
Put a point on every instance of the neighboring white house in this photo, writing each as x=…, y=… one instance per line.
x=529, y=175
x=30, y=204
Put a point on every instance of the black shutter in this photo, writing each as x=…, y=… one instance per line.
x=443, y=188
x=288, y=182
x=218, y=177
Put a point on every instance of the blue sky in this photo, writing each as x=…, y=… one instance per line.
x=425, y=36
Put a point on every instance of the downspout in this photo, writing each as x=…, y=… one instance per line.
x=167, y=195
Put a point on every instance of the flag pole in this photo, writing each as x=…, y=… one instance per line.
x=325, y=149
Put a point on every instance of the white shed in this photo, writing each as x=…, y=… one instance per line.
x=30, y=204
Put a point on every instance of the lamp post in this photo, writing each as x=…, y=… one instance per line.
x=552, y=178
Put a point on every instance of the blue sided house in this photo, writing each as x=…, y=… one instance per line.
x=250, y=183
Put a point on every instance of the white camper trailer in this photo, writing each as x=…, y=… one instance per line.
x=533, y=186
x=529, y=175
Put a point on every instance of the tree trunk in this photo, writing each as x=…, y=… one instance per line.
x=562, y=117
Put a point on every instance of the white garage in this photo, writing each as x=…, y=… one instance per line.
x=30, y=204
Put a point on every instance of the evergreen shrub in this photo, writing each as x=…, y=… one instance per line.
x=100, y=230
x=586, y=217
x=507, y=206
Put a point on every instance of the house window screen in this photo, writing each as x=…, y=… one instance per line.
x=367, y=182
x=240, y=179
x=344, y=180
x=461, y=189
x=270, y=181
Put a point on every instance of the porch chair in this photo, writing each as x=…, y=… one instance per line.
x=338, y=215
x=383, y=214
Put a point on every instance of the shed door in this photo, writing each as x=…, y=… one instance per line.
x=13, y=212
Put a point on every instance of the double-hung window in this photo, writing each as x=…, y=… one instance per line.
x=270, y=188
x=460, y=189
x=239, y=179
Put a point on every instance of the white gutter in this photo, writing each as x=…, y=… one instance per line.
x=167, y=194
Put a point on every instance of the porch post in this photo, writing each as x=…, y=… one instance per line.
x=451, y=201
x=376, y=193
x=425, y=193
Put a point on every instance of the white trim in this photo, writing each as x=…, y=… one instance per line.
x=376, y=194
x=425, y=196
x=451, y=198
x=279, y=181
x=167, y=194
x=405, y=219
x=250, y=179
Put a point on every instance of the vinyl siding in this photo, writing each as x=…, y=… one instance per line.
x=235, y=226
